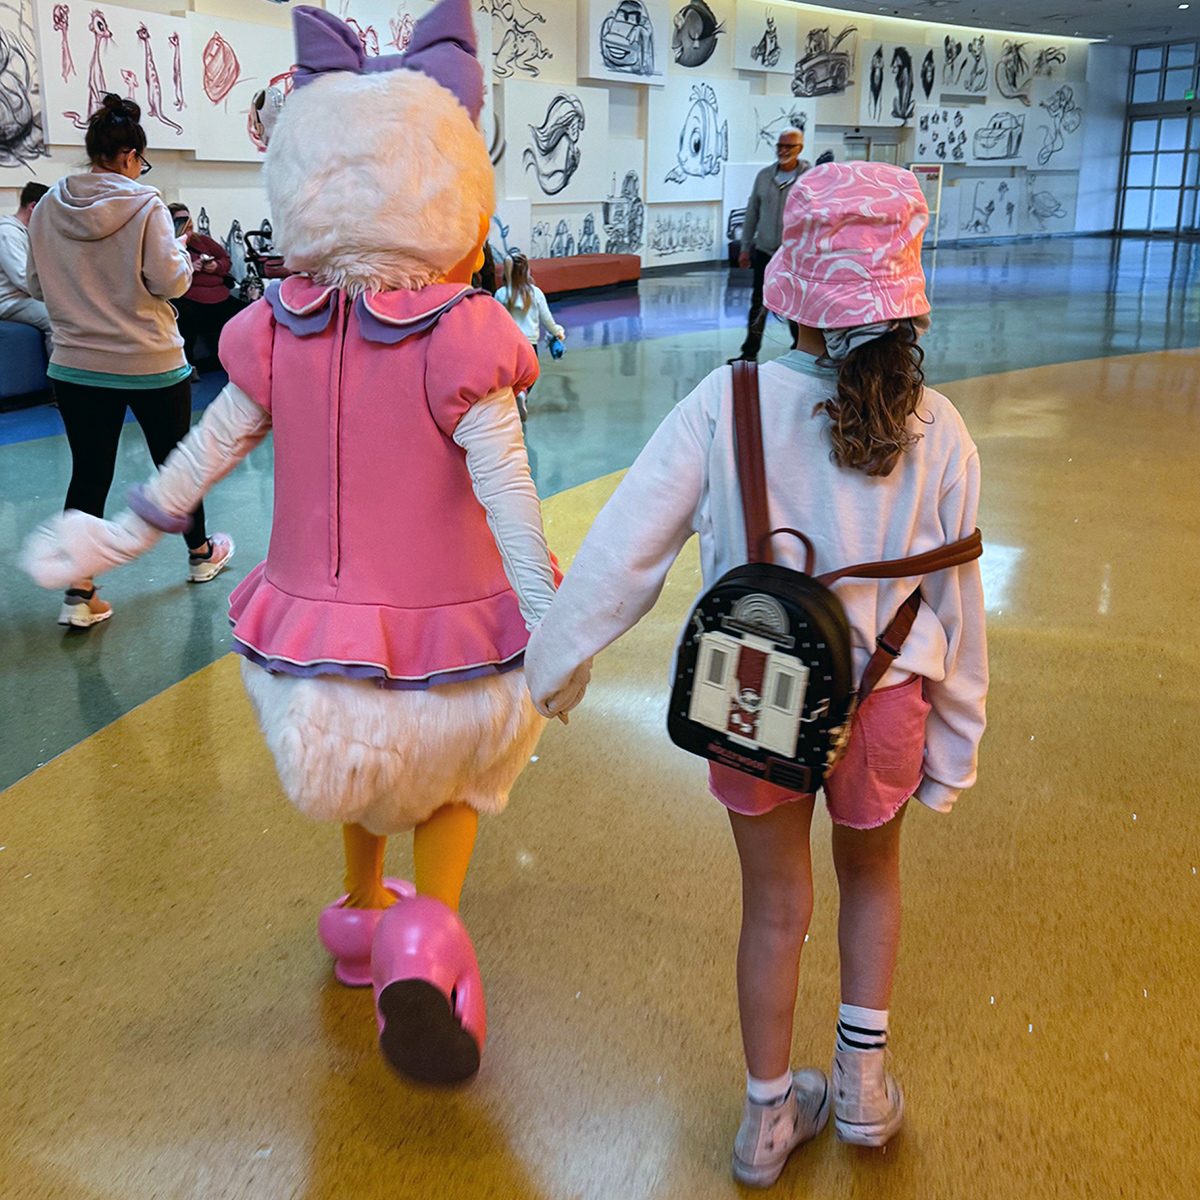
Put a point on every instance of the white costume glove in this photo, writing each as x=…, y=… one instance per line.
x=490, y=433
x=567, y=697
x=75, y=545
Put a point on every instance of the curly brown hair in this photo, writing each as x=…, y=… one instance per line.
x=879, y=385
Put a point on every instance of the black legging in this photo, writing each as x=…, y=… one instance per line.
x=196, y=319
x=757, y=323
x=94, y=416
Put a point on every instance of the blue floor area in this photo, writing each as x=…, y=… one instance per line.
x=631, y=356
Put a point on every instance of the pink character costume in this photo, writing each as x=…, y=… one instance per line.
x=383, y=638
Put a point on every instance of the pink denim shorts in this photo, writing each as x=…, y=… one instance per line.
x=878, y=773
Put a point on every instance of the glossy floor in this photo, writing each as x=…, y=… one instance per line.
x=171, y=1026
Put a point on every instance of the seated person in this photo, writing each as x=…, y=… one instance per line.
x=208, y=303
x=16, y=304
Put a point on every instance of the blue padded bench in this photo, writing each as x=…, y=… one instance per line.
x=22, y=362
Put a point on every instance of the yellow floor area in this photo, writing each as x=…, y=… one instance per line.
x=171, y=1028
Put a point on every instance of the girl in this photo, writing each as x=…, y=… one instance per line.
x=526, y=304
x=104, y=256
x=871, y=465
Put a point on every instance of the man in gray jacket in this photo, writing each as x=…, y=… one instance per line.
x=16, y=304
x=762, y=230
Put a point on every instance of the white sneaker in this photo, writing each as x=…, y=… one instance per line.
x=83, y=609
x=201, y=570
x=868, y=1102
x=770, y=1132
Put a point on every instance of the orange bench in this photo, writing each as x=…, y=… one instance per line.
x=581, y=272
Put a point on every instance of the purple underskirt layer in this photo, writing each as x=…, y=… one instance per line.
x=376, y=674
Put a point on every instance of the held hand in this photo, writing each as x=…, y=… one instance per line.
x=744, y=260
x=74, y=545
x=568, y=696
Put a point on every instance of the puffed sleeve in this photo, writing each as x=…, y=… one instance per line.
x=245, y=351
x=475, y=351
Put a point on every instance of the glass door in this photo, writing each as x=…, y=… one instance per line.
x=1162, y=175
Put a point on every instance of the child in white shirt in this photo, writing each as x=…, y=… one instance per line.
x=526, y=304
x=871, y=465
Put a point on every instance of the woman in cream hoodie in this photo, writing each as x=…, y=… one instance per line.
x=104, y=257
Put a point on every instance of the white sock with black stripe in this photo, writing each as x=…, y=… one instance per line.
x=861, y=1028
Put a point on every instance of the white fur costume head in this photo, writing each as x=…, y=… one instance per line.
x=377, y=182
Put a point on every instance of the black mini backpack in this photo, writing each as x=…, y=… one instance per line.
x=764, y=675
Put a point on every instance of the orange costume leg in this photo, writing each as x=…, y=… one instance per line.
x=364, y=869
x=442, y=848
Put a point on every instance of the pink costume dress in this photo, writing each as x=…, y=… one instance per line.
x=382, y=636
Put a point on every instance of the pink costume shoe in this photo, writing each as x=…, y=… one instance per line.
x=348, y=933
x=428, y=994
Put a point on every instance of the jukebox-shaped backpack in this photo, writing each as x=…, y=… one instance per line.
x=764, y=675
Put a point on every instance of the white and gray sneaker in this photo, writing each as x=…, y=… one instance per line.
x=202, y=568
x=770, y=1132
x=868, y=1102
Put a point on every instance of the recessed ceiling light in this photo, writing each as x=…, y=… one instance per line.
x=1185, y=6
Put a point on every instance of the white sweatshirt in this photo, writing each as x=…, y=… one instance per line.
x=104, y=257
x=535, y=318
x=14, y=261
x=685, y=482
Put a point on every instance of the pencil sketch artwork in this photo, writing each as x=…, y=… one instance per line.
x=177, y=70
x=97, y=84
x=61, y=20
x=687, y=233
x=627, y=39
x=1048, y=61
x=1050, y=202
x=553, y=237
x=221, y=69
x=766, y=51
x=695, y=33
x=367, y=36
x=954, y=62
x=974, y=78
x=942, y=135
x=624, y=216
x=992, y=209
x=827, y=66
x=703, y=139
x=154, y=100
x=519, y=47
x=928, y=75
x=554, y=154
x=401, y=31
x=770, y=127
x=890, y=96
x=999, y=140
x=1064, y=118
x=1014, y=71
x=22, y=137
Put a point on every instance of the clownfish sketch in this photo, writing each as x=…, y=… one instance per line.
x=696, y=32
x=703, y=144
x=555, y=154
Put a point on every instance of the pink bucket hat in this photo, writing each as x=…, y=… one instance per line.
x=851, y=251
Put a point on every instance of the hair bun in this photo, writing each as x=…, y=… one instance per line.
x=120, y=108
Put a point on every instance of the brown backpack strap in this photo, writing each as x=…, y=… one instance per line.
x=752, y=477
x=953, y=554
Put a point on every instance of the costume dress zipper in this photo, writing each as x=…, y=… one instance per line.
x=335, y=472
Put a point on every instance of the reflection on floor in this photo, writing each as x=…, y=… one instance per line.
x=172, y=1028
x=631, y=357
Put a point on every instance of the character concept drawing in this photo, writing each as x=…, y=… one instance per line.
x=767, y=50
x=21, y=135
x=703, y=140
x=1043, y=207
x=875, y=84
x=624, y=216
x=695, y=34
x=520, y=48
x=401, y=28
x=627, y=39
x=563, y=243
x=827, y=65
x=975, y=78
x=589, y=239
x=221, y=69
x=674, y=235
x=154, y=104
x=953, y=62
x=1065, y=117
x=788, y=118
x=928, y=75
x=1000, y=138
x=903, y=104
x=555, y=153
x=61, y=17
x=131, y=82
x=97, y=84
x=177, y=71
x=980, y=220
x=1013, y=72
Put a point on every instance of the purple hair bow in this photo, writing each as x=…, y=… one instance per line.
x=443, y=47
